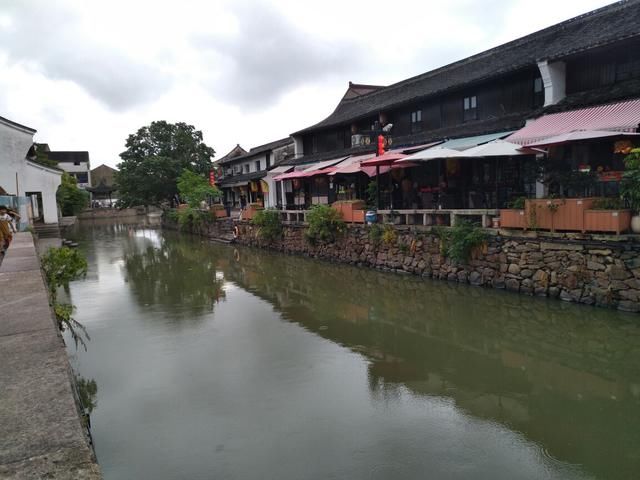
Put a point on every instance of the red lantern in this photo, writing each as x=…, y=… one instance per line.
x=212, y=178
x=380, y=150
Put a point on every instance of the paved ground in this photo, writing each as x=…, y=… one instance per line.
x=41, y=434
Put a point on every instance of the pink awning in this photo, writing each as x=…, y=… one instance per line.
x=619, y=117
x=581, y=135
x=383, y=160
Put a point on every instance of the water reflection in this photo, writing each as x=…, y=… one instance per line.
x=567, y=377
x=171, y=275
x=434, y=377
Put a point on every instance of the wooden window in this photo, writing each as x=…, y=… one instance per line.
x=416, y=121
x=538, y=92
x=470, y=106
x=257, y=165
x=246, y=168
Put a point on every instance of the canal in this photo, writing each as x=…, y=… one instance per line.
x=215, y=362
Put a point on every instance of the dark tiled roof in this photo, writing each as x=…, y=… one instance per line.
x=68, y=157
x=246, y=177
x=257, y=150
x=469, y=129
x=597, y=28
x=235, y=152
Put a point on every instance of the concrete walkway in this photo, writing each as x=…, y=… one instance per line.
x=41, y=434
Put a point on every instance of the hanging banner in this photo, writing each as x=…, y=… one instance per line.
x=265, y=186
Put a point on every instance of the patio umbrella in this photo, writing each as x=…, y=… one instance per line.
x=432, y=154
x=385, y=160
x=498, y=148
x=579, y=135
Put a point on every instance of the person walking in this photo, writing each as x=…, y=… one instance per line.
x=6, y=231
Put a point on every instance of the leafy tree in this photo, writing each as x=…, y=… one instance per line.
x=155, y=157
x=195, y=188
x=630, y=187
x=72, y=200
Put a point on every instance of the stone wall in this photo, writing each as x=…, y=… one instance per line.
x=603, y=271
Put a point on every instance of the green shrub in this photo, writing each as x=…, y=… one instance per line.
x=375, y=234
x=389, y=235
x=465, y=236
x=61, y=266
x=612, y=203
x=189, y=217
x=268, y=223
x=325, y=224
x=458, y=242
x=630, y=186
x=517, y=203
x=72, y=200
x=195, y=188
x=372, y=194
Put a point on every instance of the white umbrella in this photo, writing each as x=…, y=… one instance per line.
x=433, y=154
x=498, y=148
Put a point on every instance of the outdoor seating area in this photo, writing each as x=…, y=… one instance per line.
x=555, y=183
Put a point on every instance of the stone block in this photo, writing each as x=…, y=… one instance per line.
x=546, y=246
x=514, y=269
x=595, y=266
x=512, y=284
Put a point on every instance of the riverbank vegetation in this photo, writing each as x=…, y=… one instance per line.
x=269, y=224
x=325, y=224
x=71, y=199
x=61, y=266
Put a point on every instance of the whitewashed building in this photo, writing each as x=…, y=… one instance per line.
x=22, y=177
x=76, y=164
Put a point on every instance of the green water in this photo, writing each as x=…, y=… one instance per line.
x=215, y=362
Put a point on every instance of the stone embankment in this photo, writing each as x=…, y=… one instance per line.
x=602, y=271
x=41, y=431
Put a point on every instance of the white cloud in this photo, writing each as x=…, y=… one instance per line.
x=86, y=74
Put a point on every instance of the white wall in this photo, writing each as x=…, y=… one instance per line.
x=71, y=168
x=38, y=178
x=15, y=142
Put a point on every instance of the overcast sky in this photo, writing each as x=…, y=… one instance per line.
x=86, y=74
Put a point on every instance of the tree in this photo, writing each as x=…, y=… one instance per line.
x=71, y=198
x=195, y=188
x=155, y=157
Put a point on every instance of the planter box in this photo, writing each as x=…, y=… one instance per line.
x=352, y=210
x=218, y=211
x=569, y=215
x=510, y=218
x=250, y=211
x=607, y=221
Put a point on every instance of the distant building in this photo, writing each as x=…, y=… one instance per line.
x=21, y=176
x=76, y=164
x=243, y=174
x=103, y=174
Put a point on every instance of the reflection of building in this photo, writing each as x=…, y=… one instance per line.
x=74, y=163
x=21, y=176
x=243, y=176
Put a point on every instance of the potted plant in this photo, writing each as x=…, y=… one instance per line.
x=630, y=186
x=514, y=216
x=607, y=215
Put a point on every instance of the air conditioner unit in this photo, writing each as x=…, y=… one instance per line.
x=360, y=140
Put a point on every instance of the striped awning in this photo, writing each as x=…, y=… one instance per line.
x=619, y=117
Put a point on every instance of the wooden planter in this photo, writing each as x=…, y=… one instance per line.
x=352, y=210
x=510, y=218
x=250, y=211
x=616, y=221
x=568, y=214
x=218, y=211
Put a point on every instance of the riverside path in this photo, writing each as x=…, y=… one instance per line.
x=41, y=431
